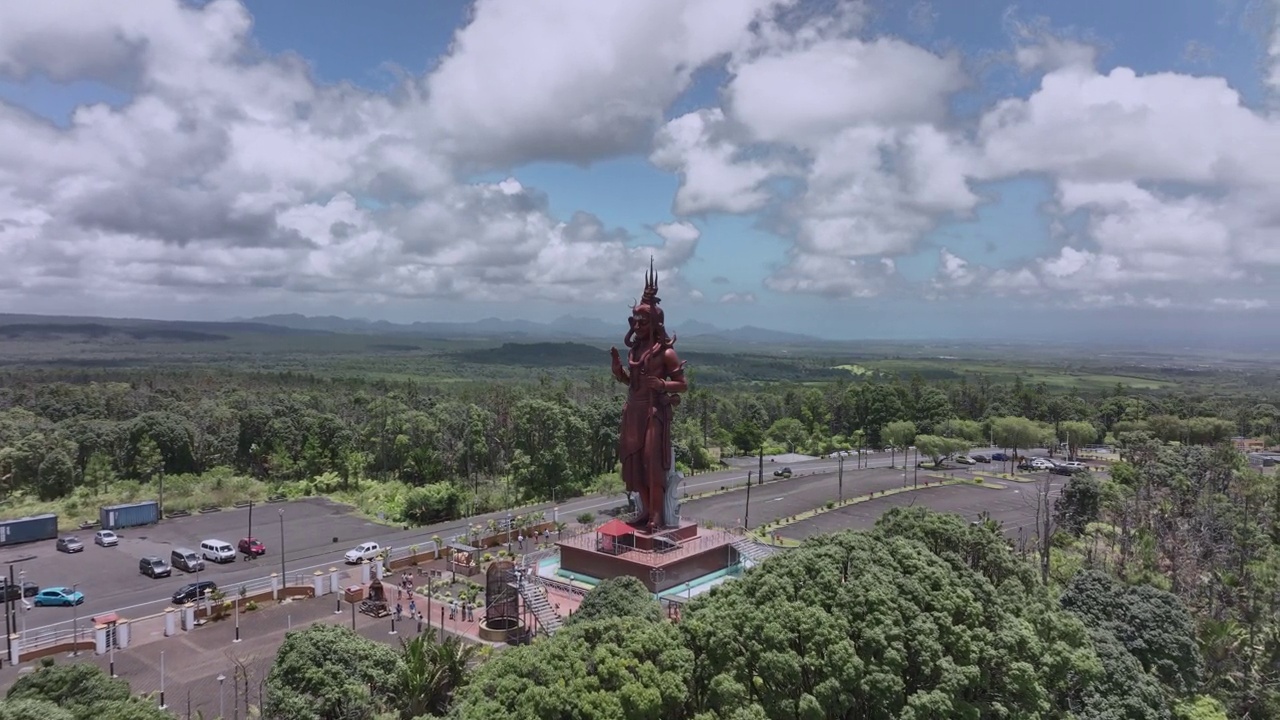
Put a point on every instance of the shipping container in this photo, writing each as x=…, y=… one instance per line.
x=28, y=529
x=129, y=515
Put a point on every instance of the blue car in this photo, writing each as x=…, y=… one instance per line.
x=999, y=457
x=65, y=597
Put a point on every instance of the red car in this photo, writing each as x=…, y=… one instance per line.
x=251, y=547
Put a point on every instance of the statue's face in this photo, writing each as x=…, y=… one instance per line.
x=640, y=317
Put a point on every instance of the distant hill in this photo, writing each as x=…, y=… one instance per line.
x=97, y=331
x=538, y=355
x=567, y=327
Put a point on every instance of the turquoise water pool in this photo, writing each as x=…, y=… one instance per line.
x=550, y=568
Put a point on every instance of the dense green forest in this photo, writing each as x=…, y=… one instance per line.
x=440, y=445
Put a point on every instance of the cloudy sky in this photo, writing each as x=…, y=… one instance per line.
x=844, y=168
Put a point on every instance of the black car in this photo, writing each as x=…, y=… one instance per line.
x=188, y=593
x=15, y=592
x=980, y=458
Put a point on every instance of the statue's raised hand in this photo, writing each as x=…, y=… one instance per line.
x=617, y=364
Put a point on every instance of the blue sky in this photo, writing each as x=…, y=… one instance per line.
x=1005, y=220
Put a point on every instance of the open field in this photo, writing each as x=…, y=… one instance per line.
x=1057, y=378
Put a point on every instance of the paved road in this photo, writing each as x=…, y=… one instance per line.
x=1014, y=506
x=772, y=501
x=110, y=580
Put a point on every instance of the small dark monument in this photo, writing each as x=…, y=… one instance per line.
x=501, y=619
x=655, y=546
x=375, y=604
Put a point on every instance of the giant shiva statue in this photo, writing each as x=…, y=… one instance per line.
x=654, y=376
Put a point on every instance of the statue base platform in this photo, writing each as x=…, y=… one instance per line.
x=661, y=560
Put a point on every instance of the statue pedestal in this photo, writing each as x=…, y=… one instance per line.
x=661, y=560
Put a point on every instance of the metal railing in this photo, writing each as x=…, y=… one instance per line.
x=48, y=637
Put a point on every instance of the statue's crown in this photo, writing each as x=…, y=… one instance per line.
x=650, y=296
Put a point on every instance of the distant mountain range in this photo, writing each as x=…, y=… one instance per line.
x=567, y=327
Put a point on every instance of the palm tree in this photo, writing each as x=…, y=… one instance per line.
x=561, y=526
x=431, y=673
x=438, y=543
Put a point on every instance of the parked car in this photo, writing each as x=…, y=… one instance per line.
x=59, y=596
x=219, y=551
x=189, y=592
x=783, y=473
x=999, y=457
x=154, y=567
x=252, y=547
x=363, y=551
x=16, y=591
x=106, y=538
x=980, y=458
x=1061, y=470
x=70, y=544
x=1075, y=465
x=965, y=460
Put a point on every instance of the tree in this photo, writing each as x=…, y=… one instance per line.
x=618, y=597
x=970, y=430
x=1076, y=434
x=899, y=434
x=57, y=475
x=1150, y=623
x=624, y=668
x=939, y=448
x=29, y=709
x=431, y=503
x=1079, y=504
x=73, y=686
x=326, y=672
x=844, y=627
x=430, y=673
x=747, y=437
x=1015, y=433
x=788, y=432
x=78, y=691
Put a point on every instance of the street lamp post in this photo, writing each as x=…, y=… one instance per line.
x=22, y=583
x=222, y=697
x=250, y=520
x=112, y=648
x=283, y=580
x=162, y=705
x=746, y=517
x=75, y=622
x=237, y=620
x=840, y=476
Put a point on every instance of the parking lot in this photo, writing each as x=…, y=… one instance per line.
x=1014, y=506
x=110, y=580
x=790, y=497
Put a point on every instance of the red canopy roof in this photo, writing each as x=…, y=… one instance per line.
x=616, y=528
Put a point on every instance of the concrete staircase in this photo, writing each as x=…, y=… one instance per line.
x=754, y=551
x=535, y=599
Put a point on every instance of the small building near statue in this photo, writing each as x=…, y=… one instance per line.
x=661, y=560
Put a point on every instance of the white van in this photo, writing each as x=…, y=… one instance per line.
x=218, y=551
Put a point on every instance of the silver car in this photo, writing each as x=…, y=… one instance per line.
x=106, y=538
x=70, y=544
